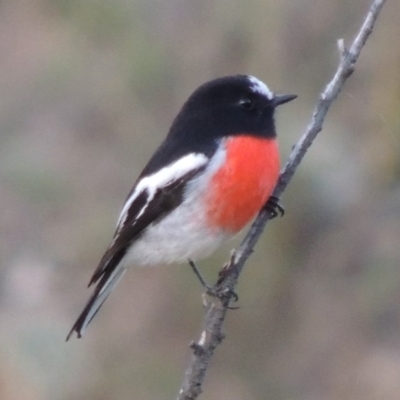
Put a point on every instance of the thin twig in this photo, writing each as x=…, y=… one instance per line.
x=216, y=309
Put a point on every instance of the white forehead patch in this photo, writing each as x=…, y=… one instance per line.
x=260, y=87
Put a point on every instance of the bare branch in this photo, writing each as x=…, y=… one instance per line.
x=217, y=308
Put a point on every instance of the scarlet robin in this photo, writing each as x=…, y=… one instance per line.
x=214, y=171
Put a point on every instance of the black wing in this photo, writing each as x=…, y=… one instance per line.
x=165, y=200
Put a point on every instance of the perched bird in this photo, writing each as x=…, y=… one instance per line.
x=214, y=171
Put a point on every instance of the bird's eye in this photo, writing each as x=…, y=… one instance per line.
x=247, y=103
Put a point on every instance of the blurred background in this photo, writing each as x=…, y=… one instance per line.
x=88, y=90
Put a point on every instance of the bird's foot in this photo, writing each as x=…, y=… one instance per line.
x=274, y=207
x=213, y=291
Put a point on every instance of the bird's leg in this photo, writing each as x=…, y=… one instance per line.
x=274, y=207
x=205, y=285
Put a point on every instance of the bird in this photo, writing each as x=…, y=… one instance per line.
x=216, y=168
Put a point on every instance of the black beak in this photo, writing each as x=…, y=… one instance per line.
x=282, y=99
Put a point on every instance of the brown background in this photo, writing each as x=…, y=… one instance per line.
x=87, y=91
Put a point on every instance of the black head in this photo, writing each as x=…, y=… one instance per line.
x=228, y=106
x=233, y=105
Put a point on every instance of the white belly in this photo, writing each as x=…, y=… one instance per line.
x=176, y=238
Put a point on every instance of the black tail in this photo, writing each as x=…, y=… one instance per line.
x=102, y=290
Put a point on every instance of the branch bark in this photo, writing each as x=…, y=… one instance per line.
x=216, y=309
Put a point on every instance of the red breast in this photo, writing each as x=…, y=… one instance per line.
x=243, y=184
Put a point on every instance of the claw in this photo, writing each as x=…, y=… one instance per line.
x=274, y=207
x=229, y=293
